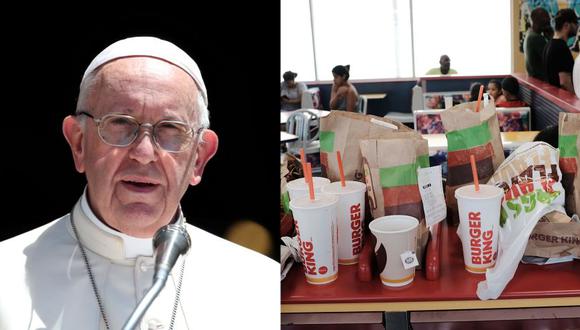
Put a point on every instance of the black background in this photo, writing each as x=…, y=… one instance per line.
x=44, y=54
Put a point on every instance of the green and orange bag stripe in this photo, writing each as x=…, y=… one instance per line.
x=461, y=144
x=326, y=147
x=400, y=191
x=568, y=153
x=568, y=143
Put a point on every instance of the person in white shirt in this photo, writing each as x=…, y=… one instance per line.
x=140, y=134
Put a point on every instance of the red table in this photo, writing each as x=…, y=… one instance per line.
x=532, y=286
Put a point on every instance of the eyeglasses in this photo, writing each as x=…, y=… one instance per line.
x=119, y=130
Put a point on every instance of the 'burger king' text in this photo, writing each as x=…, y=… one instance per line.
x=307, y=253
x=480, y=241
x=356, y=226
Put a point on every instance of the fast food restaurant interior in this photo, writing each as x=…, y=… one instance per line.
x=430, y=164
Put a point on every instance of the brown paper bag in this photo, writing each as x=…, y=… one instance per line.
x=569, y=145
x=470, y=133
x=554, y=240
x=342, y=131
x=392, y=181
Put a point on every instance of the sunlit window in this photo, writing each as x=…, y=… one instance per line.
x=373, y=36
x=394, y=38
x=296, y=52
x=475, y=34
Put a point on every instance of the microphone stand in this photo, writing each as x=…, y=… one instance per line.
x=144, y=304
x=169, y=242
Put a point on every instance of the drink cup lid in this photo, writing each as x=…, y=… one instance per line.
x=321, y=200
x=486, y=191
x=337, y=188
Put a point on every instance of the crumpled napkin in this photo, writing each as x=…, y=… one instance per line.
x=291, y=248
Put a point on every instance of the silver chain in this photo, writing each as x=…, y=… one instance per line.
x=94, y=285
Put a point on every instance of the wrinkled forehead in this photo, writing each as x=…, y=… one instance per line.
x=127, y=84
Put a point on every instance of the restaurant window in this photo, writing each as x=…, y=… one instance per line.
x=475, y=34
x=296, y=52
x=394, y=38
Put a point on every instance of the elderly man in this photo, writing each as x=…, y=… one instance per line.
x=140, y=134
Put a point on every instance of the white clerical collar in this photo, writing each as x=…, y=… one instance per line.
x=107, y=242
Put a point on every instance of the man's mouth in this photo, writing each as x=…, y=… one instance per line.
x=140, y=185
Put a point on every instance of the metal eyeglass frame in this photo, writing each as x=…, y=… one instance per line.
x=195, y=133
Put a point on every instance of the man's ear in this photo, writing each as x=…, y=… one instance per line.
x=73, y=134
x=205, y=151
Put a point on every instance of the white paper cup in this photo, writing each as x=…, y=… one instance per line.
x=299, y=187
x=479, y=213
x=395, y=235
x=316, y=228
x=350, y=218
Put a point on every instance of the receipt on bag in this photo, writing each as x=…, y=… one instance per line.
x=431, y=190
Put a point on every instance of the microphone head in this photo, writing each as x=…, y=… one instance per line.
x=169, y=243
x=174, y=234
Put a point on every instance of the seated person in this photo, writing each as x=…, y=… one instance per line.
x=511, y=89
x=291, y=92
x=494, y=90
x=444, y=68
x=474, y=91
x=343, y=95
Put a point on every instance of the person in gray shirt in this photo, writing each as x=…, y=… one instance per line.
x=536, y=39
x=291, y=92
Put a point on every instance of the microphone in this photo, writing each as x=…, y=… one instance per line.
x=169, y=243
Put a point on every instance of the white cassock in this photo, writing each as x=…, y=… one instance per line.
x=44, y=282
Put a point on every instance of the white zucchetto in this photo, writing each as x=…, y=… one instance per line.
x=152, y=47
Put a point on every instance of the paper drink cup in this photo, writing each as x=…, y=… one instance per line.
x=315, y=223
x=299, y=187
x=395, y=235
x=479, y=213
x=350, y=218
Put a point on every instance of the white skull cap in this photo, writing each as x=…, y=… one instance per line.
x=151, y=47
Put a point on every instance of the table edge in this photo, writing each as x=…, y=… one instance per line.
x=430, y=305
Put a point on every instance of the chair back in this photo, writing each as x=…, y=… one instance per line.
x=362, y=104
x=304, y=124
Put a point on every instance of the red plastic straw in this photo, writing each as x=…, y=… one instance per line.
x=479, y=98
x=474, y=172
x=303, y=162
x=340, y=169
x=310, y=181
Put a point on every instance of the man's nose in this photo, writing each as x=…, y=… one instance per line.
x=143, y=149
